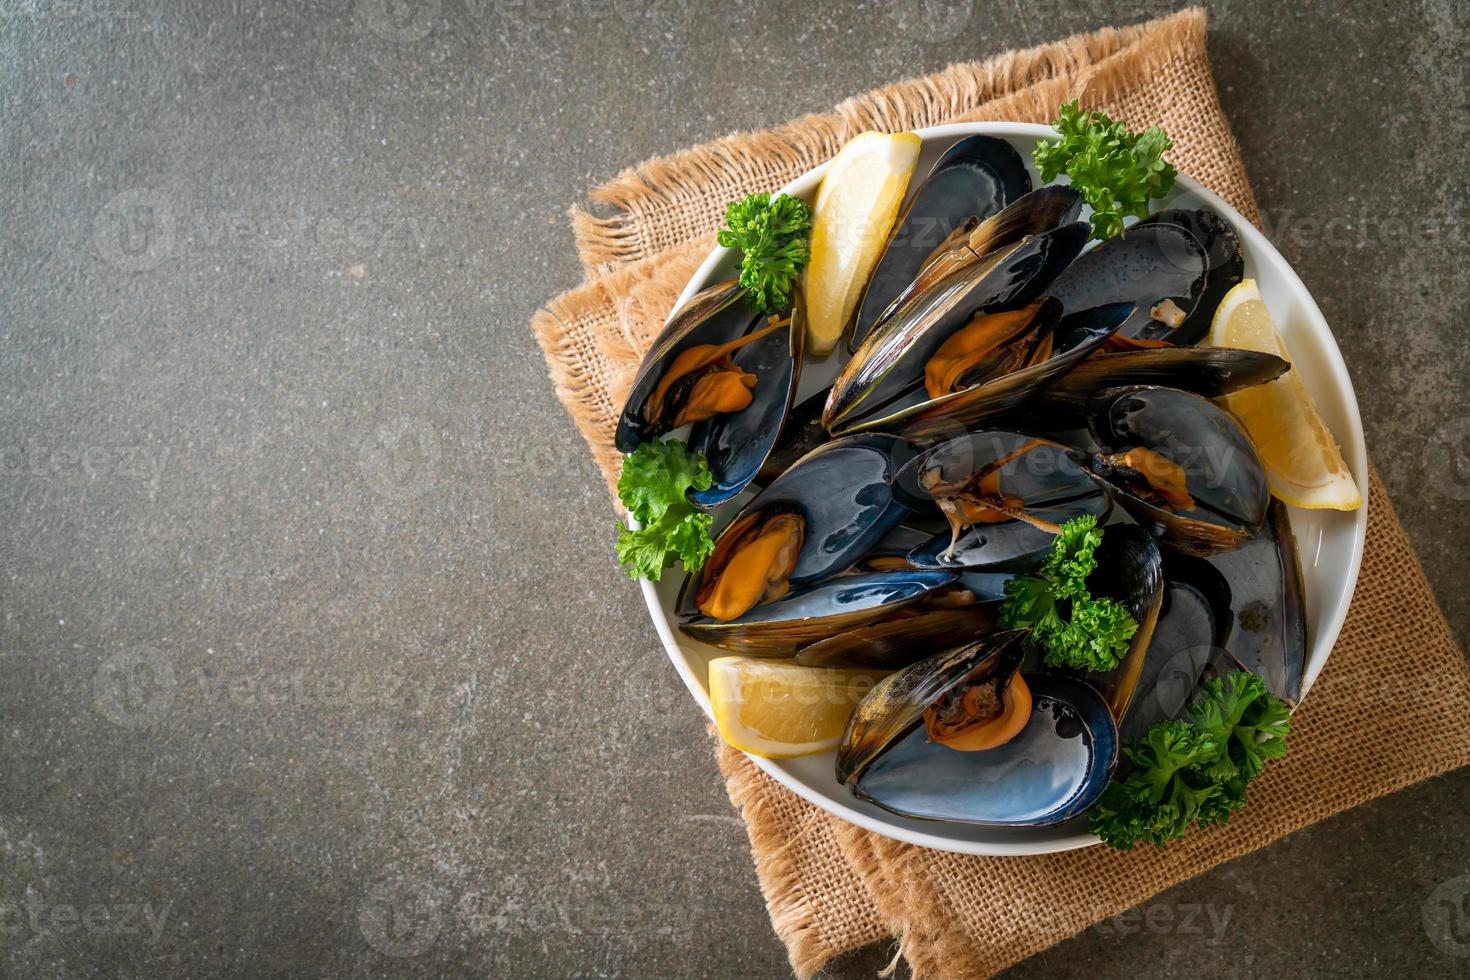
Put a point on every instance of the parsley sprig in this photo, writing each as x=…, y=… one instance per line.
x=772, y=238
x=1073, y=627
x=1194, y=770
x=652, y=485
x=1115, y=171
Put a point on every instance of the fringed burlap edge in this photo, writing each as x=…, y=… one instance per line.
x=1021, y=84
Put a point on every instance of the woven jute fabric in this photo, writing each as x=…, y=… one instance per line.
x=1367, y=728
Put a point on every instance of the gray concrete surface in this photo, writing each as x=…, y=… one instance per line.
x=315, y=660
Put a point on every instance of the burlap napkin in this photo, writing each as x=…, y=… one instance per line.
x=830, y=886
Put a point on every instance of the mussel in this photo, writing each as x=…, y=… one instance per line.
x=983, y=322
x=1207, y=371
x=726, y=371
x=973, y=179
x=1004, y=496
x=1173, y=266
x=1180, y=465
x=813, y=521
x=806, y=616
x=908, y=635
x=964, y=736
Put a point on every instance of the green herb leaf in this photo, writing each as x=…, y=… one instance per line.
x=1194, y=770
x=1074, y=628
x=772, y=238
x=1115, y=171
x=653, y=485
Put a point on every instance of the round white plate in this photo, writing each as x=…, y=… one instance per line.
x=1330, y=542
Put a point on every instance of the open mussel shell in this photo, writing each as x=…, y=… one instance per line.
x=1263, y=589
x=895, y=706
x=842, y=494
x=1130, y=570
x=806, y=616
x=887, y=370
x=1032, y=214
x=737, y=444
x=972, y=180
x=1188, y=443
x=1036, y=474
x=1053, y=770
x=1207, y=371
x=1189, y=257
x=1075, y=338
x=1188, y=644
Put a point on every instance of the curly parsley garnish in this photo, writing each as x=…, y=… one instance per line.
x=1115, y=171
x=1074, y=628
x=772, y=238
x=1194, y=770
x=652, y=485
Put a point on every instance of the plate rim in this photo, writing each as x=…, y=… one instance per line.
x=1354, y=450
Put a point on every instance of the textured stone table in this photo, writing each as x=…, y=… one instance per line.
x=308, y=614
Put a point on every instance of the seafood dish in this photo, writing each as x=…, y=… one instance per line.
x=989, y=505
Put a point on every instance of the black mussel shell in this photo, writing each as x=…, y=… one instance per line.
x=1189, y=257
x=1224, y=476
x=975, y=178
x=1052, y=771
x=1188, y=644
x=904, y=638
x=737, y=445
x=1036, y=471
x=805, y=616
x=843, y=491
x=889, y=364
x=1207, y=371
x=1267, y=604
x=716, y=315
x=895, y=706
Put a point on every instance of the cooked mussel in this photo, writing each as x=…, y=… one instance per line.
x=1034, y=213
x=727, y=371
x=1004, y=496
x=973, y=179
x=813, y=521
x=908, y=635
x=803, y=617
x=1181, y=466
x=884, y=385
x=964, y=736
x=1173, y=266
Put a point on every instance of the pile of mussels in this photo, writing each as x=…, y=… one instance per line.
x=1000, y=382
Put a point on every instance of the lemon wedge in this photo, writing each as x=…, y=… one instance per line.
x=780, y=710
x=1303, y=464
x=855, y=210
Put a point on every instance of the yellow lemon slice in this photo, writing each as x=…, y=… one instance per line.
x=855, y=210
x=1303, y=464
x=780, y=710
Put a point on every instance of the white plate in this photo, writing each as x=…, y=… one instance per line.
x=1330, y=542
